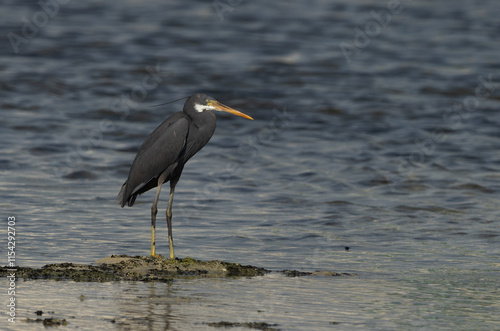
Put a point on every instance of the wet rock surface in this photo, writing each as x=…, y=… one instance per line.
x=147, y=268
x=137, y=268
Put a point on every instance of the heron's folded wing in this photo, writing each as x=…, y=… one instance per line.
x=160, y=150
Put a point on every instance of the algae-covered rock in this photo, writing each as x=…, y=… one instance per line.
x=142, y=268
x=148, y=268
x=51, y=321
x=250, y=325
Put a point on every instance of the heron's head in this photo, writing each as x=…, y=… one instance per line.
x=199, y=103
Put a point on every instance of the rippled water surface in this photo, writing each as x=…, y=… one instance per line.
x=376, y=128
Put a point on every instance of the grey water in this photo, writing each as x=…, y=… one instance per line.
x=376, y=129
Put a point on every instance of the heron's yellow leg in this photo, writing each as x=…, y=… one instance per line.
x=154, y=210
x=169, y=221
x=153, y=244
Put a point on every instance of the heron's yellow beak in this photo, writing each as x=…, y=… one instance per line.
x=220, y=107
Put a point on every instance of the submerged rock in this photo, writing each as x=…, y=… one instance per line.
x=296, y=273
x=250, y=325
x=51, y=321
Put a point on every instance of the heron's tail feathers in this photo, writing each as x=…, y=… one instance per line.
x=125, y=197
x=119, y=198
x=123, y=200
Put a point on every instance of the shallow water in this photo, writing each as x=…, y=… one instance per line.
x=392, y=151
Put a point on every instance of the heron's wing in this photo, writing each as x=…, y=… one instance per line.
x=176, y=121
x=160, y=150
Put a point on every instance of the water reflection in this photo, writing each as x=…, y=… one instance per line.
x=293, y=303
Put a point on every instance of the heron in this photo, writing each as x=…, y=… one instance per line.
x=163, y=154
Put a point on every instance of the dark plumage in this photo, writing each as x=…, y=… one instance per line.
x=162, y=156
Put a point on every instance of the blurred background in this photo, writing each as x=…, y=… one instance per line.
x=376, y=128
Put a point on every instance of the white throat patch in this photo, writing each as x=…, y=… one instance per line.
x=199, y=108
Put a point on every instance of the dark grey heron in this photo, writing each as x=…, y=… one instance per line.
x=166, y=150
